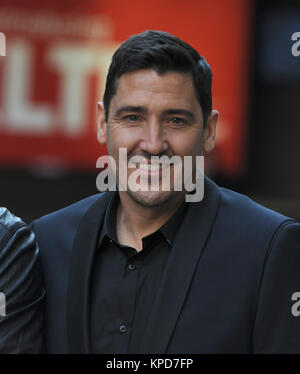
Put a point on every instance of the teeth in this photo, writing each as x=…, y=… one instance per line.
x=148, y=167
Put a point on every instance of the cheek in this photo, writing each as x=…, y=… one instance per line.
x=186, y=144
x=120, y=138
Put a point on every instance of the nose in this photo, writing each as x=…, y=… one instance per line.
x=154, y=139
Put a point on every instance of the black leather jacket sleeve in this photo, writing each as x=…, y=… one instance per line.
x=22, y=294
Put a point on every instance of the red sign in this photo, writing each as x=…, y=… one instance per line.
x=57, y=56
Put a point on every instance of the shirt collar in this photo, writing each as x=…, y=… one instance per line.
x=168, y=229
x=171, y=227
x=110, y=218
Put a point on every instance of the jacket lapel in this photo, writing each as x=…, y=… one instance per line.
x=184, y=256
x=84, y=246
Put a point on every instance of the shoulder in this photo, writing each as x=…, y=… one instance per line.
x=9, y=226
x=65, y=221
x=244, y=210
x=247, y=223
x=71, y=213
x=17, y=240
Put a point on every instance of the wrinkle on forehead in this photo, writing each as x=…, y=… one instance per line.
x=143, y=87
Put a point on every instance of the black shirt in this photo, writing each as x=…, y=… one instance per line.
x=124, y=283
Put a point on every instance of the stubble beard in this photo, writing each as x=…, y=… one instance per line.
x=149, y=199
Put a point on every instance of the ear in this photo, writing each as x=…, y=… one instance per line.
x=101, y=123
x=210, y=132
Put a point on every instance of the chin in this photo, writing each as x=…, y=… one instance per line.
x=151, y=199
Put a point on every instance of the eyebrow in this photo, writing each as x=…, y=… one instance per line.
x=143, y=110
x=130, y=108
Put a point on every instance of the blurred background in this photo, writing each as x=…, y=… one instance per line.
x=53, y=69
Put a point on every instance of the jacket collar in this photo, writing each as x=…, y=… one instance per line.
x=192, y=237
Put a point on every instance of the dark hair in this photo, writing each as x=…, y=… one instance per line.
x=161, y=52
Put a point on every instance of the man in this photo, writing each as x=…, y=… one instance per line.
x=145, y=271
x=21, y=291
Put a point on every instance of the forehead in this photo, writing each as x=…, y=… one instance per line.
x=147, y=87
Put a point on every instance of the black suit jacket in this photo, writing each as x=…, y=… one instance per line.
x=227, y=287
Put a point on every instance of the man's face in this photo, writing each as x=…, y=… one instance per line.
x=155, y=115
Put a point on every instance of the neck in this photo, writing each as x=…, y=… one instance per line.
x=134, y=221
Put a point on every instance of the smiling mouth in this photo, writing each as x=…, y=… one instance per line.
x=149, y=167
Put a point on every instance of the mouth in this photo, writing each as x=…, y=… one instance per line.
x=150, y=169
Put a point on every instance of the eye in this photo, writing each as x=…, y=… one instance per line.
x=131, y=118
x=177, y=121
